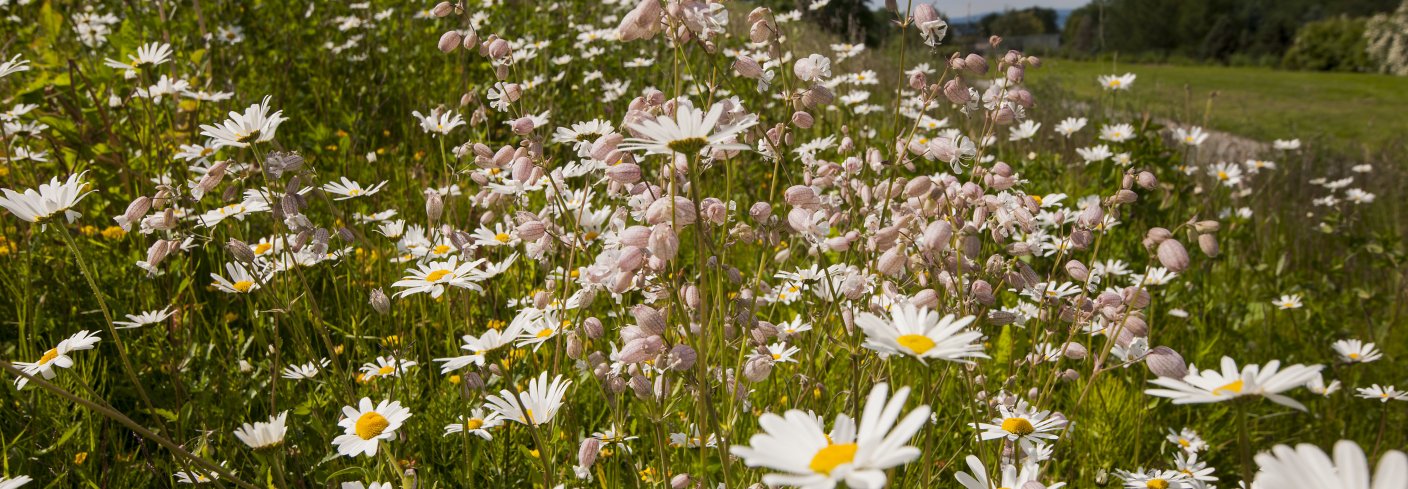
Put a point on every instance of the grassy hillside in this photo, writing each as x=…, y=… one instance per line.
x=1352, y=111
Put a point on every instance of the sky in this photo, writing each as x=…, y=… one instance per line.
x=964, y=8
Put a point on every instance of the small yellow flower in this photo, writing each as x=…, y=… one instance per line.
x=113, y=232
x=88, y=230
x=80, y=457
x=455, y=379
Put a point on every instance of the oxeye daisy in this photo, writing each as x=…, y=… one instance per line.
x=1382, y=393
x=255, y=125
x=1117, y=133
x=366, y=485
x=1193, y=136
x=921, y=333
x=1187, y=440
x=1355, y=351
x=1155, y=479
x=793, y=327
x=241, y=281
x=367, y=425
x=500, y=235
x=197, y=476
x=439, y=121
x=1307, y=467
x=305, y=371
x=14, y=65
x=13, y=483
x=144, y=318
x=1117, y=82
x=1011, y=477
x=434, y=276
x=1288, y=301
x=57, y=357
x=261, y=435
x=545, y=327
x=807, y=456
x=386, y=367
x=348, y=189
x=690, y=132
x=148, y=55
x=477, y=423
x=780, y=352
x=491, y=340
x=49, y=200
x=539, y=404
x=1204, y=386
x=1021, y=422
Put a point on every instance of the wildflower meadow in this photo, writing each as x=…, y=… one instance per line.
x=668, y=243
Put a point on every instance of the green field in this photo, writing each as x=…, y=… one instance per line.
x=1351, y=110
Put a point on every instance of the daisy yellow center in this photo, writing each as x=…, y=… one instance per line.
x=1353, y=356
x=436, y=275
x=546, y=332
x=262, y=248
x=833, y=455
x=1184, y=442
x=370, y=425
x=386, y=370
x=916, y=343
x=242, y=286
x=474, y=424
x=1234, y=387
x=1018, y=426
x=1037, y=198
x=688, y=146
x=777, y=356
x=591, y=235
x=49, y=356
x=354, y=192
x=1156, y=484
x=1115, y=83
x=1221, y=175
x=442, y=249
x=528, y=415
x=501, y=237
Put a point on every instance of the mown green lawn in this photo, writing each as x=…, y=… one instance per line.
x=1350, y=110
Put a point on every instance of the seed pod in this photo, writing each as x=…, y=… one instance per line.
x=802, y=119
x=587, y=452
x=623, y=173
x=641, y=349
x=892, y=262
x=1077, y=270
x=982, y=291
x=649, y=319
x=758, y=368
x=1125, y=196
x=531, y=230
x=380, y=302
x=1173, y=256
x=1076, y=351
x=1208, y=226
x=925, y=298
x=442, y=9
x=747, y=67
x=592, y=326
x=1157, y=235
x=1147, y=180
x=434, y=206
x=241, y=251
x=449, y=41
x=976, y=64
x=802, y=196
x=682, y=357
x=1208, y=243
x=760, y=212
x=677, y=211
x=681, y=481
x=1165, y=362
x=134, y=213
x=957, y=92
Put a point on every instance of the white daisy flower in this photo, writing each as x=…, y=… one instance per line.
x=57, y=357
x=1307, y=467
x=50, y=199
x=539, y=404
x=255, y=125
x=262, y=435
x=367, y=425
x=921, y=333
x=1204, y=386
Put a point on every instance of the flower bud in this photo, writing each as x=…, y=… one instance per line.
x=442, y=9
x=241, y=251
x=623, y=173
x=760, y=212
x=1147, y=180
